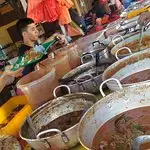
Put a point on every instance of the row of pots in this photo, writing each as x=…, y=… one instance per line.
x=110, y=105
x=68, y=138
x=83, y=79
x=45, y=79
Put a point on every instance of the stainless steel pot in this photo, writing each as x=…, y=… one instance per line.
x=51, y=111
x=117, y=38
x=108, y=107
x=127, y=66
x=129, y=40
x=95, y=48
x=85, y=78
x=86, y=41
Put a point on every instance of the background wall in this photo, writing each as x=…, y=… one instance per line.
x=4, y=36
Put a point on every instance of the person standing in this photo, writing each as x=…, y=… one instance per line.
x=98, y=11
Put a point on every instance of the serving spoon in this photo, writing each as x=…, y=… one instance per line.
x=139, y=141
x=141, y=36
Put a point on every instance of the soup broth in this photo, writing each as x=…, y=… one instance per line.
x=119, y=132
x=137, y=77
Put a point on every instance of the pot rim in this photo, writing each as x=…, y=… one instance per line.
x=53, y=136
x=105, y=50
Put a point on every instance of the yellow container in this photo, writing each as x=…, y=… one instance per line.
x=137, y=12
x=15, y=123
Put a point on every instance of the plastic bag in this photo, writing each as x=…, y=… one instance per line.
x=32, y=56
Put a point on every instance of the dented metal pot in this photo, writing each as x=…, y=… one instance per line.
x=47, y=113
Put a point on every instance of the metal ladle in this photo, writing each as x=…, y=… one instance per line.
x=139, y=141
x=30, y=122
x=141, y=36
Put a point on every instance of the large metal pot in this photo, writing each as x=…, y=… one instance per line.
x=86, y=41
x=117, y=38
x=127, y=66
x=108, y=107
x=122, y=45
x=97, y=47
x=49, y=112
x=85, y=78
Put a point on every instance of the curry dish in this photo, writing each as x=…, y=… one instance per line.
x=119, y=132
x=63, y=122
x=137, y=77
x=134, y=46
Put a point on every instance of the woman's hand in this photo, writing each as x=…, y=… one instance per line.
x=144, y=19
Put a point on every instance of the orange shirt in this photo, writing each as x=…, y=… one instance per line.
x=64, y=17
x=43, y=10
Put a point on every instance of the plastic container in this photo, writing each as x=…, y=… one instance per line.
x=72, y=51
x=13, y=127
x=59, y=62
x=38, y=86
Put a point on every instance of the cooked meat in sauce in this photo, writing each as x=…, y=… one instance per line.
x=119, y=132
x=134, y=46
x=63, y=122
x=145, y=146
x=137, y=77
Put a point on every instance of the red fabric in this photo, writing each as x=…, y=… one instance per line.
x=99, y=28
x=113, y=17
x=102, y=1
x=43, y=10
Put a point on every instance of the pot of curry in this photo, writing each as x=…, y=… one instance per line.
x=131, y=70
x=117, y=120
x=121, y=49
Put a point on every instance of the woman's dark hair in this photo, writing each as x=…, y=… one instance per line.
x=22, y=24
